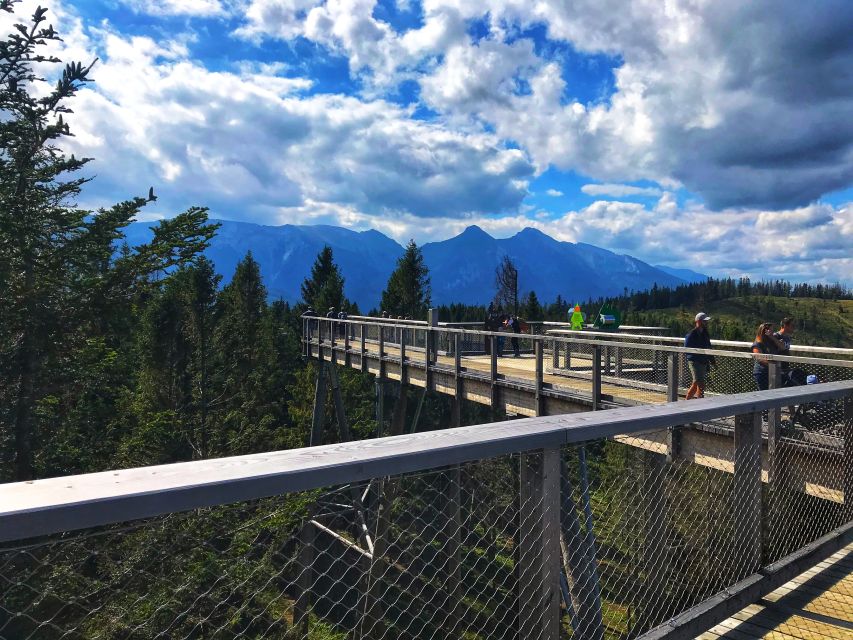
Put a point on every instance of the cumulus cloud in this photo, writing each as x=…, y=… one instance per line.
x=746, y=104
x=200, y=8
x=554, y=193
x=249, y=142
x=619, y=190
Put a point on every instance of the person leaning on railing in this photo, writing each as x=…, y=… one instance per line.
x=699, y=363
x=765, y=344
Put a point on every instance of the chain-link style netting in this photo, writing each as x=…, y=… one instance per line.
x=605, y=540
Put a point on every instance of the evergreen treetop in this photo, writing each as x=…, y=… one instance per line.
x=408, y=290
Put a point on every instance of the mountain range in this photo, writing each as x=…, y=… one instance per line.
x=462, y=268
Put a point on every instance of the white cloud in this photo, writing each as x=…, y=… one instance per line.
x=248, y=143
x=745, y=104
x=199, y=8
x=619, y=190
x=554, y=193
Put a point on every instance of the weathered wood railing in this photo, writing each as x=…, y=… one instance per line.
x=556, y=554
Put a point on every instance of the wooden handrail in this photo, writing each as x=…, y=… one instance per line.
x=42, y=507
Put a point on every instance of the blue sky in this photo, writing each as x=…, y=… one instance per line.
x=716, y=136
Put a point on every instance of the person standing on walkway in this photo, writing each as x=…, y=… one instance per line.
x=699, y=363
x=765, y=344
x=512, y=323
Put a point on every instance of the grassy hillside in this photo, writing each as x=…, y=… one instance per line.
x=818, y=321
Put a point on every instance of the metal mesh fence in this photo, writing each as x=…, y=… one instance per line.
x=604, y=540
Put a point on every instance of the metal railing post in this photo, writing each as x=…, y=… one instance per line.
x=539, y=546
x=673, y=448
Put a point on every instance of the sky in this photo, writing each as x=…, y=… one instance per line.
x=715, y=135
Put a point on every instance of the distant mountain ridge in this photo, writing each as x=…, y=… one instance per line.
x=462, y=268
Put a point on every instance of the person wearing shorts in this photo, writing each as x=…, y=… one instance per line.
x=699, y=363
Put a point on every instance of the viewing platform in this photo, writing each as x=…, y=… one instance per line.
x=652, y=519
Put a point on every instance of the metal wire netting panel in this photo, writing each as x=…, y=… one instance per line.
x=605, y=540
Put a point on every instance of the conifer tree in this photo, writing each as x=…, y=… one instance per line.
x=324, y=288
x=249, y=400
x=408, y=290
x=532, y=308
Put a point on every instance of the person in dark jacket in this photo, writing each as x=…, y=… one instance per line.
x=699, y=363
x=514, y=325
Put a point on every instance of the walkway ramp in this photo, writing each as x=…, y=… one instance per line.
x=818, y=604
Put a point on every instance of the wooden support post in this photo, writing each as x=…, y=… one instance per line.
x=539, y=374
x=382, y=353
x=847, y=465
x=579, y=564
x=539, y=546
x=363, y=348
x=618, y=358
x=429, y=351
x=673, y=437
x=746, y=500
x=305, y=580
x=333, y=330
x=567, y=357
x=404, y=373
x=775, y=516
x=596, y=377
x=608, y=353
x=493, y=372
x=672, y=378
x=457, y=368
x=555, y=354
x=319, y=414
x=347, y=358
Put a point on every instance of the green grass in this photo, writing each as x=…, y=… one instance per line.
x=818, y=322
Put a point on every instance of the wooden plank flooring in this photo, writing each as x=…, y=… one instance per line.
x=816, y=605
x=523, y=369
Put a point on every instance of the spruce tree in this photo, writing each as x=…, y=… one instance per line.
x=532, y=308
x=408, y=290
x=324, y=288
x=249, y=385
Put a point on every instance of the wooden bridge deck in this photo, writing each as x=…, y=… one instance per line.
x=816, y=605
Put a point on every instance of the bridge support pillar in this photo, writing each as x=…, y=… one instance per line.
x=577, y=547
x=539, y=546
x=319, y=412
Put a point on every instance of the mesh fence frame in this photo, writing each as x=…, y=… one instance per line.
x=444, y=552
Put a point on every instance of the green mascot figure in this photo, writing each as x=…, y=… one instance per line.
x=577, y=319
